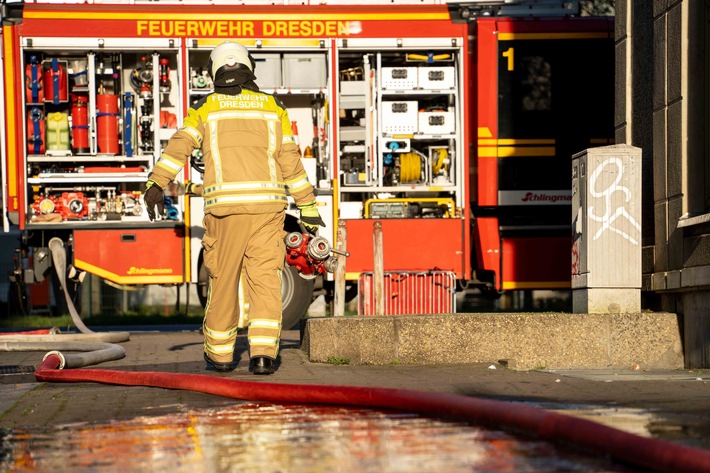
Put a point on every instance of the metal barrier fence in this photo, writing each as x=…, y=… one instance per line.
x=409, y=292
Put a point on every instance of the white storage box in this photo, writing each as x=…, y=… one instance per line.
x=352, y=87
x=437, y=123
x=437, y=78
x=304, y=71
x=399, y=117
x=350, y=209
x=267, y=71
x=399, y=78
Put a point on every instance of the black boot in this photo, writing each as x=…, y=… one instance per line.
x=218, y=366
x=261, y=365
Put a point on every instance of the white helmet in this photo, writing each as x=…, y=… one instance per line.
x=229, y=54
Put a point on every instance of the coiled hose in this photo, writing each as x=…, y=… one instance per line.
x=652, y=454
x=410, y=168
x=95, y=347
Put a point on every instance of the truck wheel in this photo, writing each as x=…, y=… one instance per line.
x=296, y=294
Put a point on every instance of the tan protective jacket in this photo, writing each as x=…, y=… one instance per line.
x=249, y=150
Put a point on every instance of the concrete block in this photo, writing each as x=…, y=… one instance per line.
x=521, y=341
x=647, y=339
x=362, y=340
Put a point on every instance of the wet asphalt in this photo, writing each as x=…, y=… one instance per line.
x=672, y=405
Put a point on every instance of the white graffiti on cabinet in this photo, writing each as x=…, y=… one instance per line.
x=607, y=220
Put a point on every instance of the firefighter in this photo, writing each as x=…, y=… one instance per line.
x=251, y=161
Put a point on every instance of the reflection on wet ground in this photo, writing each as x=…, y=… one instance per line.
x=267, y=438
x=690, y=430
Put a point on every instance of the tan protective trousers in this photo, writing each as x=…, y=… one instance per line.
x=253, y=243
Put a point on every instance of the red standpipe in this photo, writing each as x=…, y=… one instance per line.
x=653, y=454
x=107, y=123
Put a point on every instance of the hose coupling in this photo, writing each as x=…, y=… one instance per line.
x=62, y=360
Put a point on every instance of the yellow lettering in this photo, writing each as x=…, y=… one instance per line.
x=331, y=28
x=281, y=28
x=180, y=28
x=228, y=28
x=321, y=28
x=166, y=28
x=207, y=28
x=305, y=28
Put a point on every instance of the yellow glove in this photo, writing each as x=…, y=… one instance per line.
x=310, y=217
x=194, y=189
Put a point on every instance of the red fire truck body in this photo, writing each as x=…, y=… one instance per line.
x=454, y=133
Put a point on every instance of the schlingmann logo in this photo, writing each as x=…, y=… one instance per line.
x=533, y=197
x=149, y=271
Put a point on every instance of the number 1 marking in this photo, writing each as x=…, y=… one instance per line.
x=510, y=55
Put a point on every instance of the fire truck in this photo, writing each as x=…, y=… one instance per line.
x=447, y=126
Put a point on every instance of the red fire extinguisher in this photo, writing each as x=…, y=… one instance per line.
x=79, y=124
x=55, y=80
x=107, y=123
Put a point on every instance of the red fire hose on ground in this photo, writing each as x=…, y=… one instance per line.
x=652, y=454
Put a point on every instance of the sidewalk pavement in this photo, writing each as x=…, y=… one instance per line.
x=669, y=404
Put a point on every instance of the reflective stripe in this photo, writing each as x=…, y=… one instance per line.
x=297, y=185
x=194, y=134
x=247, y=186
x=227, y=114
x=288, y=139
x=216, y=334
x=269, y=341
x=209, y=298
x=170, y=163
x=245, y=198
x=271, y=150
x=220, y=349
x=266, y=323
x=215, y=152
